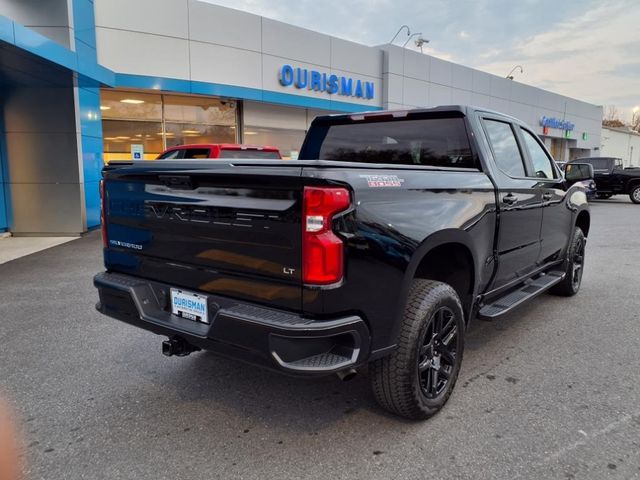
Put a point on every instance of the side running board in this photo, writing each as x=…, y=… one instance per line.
x=530, y=289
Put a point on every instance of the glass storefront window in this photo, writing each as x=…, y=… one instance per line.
x=286, y=140
x=119, y=135
x=200, y=110
x=159, y=121
x=115, y=104
x=188, y=133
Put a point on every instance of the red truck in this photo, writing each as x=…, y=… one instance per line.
x=220, y=150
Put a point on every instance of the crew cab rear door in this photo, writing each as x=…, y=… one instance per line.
x=519, y=201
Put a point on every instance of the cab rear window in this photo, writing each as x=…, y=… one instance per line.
x=439, y=142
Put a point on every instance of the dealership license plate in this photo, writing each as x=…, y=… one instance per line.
x=189, y=305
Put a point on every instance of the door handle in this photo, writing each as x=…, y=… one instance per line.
x=510, y=199
x=547, y=196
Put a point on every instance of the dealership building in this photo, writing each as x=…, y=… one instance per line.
x=87, y=81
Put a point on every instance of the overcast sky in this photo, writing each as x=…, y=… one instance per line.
x=587, y=49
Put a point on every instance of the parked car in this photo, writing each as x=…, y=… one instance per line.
x=219, y=150
x=612, y=178
x=394, y=232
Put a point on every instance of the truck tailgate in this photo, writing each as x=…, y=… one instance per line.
x=218, y=228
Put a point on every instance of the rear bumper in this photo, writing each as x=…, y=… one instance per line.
x=272, y=338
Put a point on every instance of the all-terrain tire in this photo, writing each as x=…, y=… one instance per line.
x=574, y=269
x=634, y=194
x=396, y=379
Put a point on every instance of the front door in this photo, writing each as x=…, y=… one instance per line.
x=519, y=202
x=556, y=216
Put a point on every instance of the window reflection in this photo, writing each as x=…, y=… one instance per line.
x=199, y=110
x=287, y=141
x=158, y=121
x=118, y=136
x=188, y=133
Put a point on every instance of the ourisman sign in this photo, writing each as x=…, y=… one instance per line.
x=323, y=82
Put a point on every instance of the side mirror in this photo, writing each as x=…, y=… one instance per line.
x=578, y=172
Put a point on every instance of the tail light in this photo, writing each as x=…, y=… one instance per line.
x=322, y=250
x=103, y=215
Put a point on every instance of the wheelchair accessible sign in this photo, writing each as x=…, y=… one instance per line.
x=137, y=151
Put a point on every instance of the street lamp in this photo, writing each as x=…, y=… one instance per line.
x=420, y=42
x=410, y=37
x=510, y=74
x=399, y=30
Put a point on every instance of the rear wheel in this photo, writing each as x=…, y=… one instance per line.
x=416, y=380
x=634, y=194
x=570, y=285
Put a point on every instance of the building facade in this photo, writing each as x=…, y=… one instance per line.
x=621, y=143
x=83, y=83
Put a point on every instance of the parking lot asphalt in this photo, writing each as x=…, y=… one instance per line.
x=551, y=391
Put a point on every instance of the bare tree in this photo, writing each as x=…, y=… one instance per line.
x=611, y=113
x=611, y=117
x=635, y=121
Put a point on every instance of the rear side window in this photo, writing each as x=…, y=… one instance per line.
x=196, y=153
x=439, y=142
x=505, y=148
x=249, y=154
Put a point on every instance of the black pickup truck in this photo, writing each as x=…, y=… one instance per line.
x=378, y=248
x=612, y=178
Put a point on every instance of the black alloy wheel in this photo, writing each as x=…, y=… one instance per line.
x=578, y=262
x=437, y=358
x=416, y=379
x=573, y=266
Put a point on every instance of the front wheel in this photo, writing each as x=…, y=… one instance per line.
x=416, y=380
x=634, y=194
x=570, y=285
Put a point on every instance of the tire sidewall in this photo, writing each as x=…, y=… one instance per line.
x=446, y=299
x=633, y=192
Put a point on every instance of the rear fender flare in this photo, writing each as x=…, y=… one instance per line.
x=437, y=239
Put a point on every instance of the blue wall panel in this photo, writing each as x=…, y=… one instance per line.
x=89, y=108
x=84, y=22
x=92, y=158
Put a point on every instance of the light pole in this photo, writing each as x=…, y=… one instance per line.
x=420, y=42
x=510, y=74
x=410, y=37
x=399, y=30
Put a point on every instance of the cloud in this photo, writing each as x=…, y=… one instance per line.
x=584, y=57
x=584, y=49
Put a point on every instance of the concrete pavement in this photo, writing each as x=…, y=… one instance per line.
x=551, y=391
